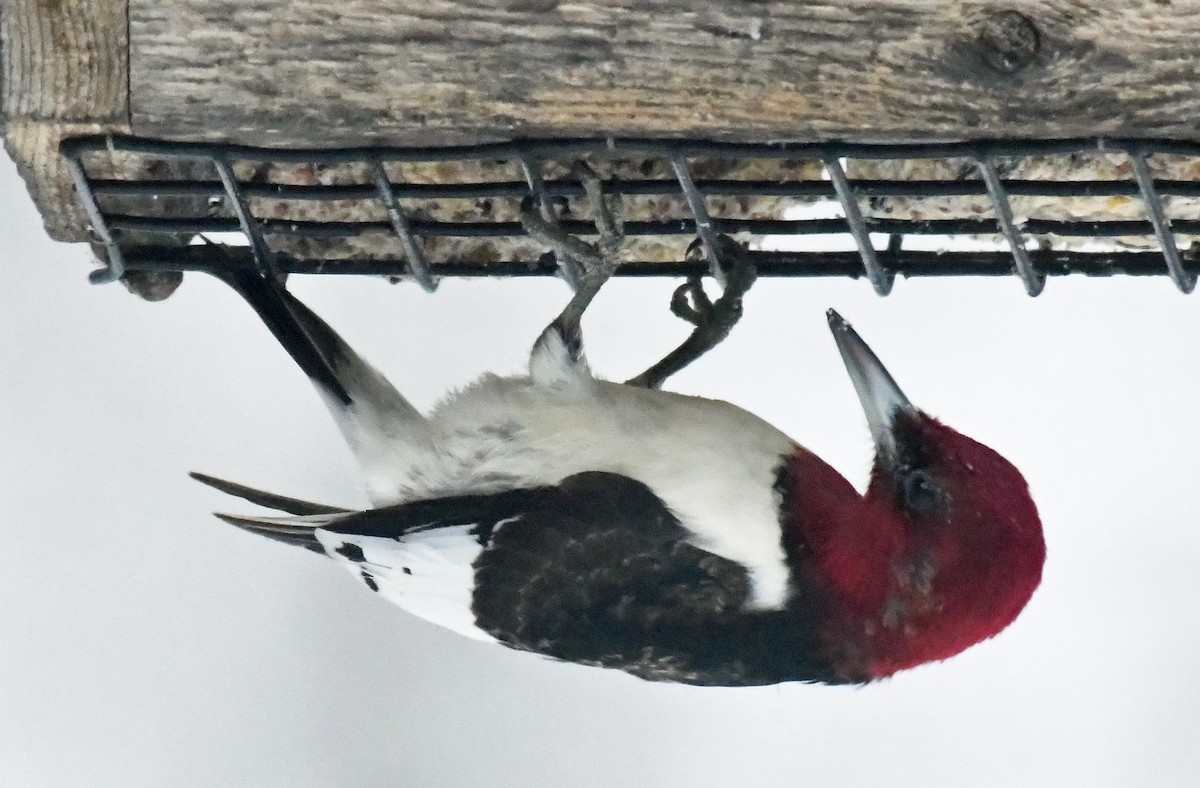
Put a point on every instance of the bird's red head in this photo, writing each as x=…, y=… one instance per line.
x=943, y=551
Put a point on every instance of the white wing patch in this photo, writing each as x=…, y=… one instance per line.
x=429, y=573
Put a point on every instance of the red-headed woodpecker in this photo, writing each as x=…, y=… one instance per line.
x=673, y=537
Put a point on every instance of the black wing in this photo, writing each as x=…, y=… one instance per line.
x=596, y=570
x=600, y=572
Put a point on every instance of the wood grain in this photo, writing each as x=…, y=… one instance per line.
x=33, y=146
x=64, y=60
x=430, y=72
x=441, y=71
x=64, y=71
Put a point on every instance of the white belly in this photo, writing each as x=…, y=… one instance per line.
x=713, y=464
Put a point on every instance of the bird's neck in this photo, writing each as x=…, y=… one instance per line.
x=834, y=537
x=890, y=597
x=856, y=562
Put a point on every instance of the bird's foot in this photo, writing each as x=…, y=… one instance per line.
x=586, y=266
x=713, y=320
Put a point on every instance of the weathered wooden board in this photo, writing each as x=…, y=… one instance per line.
x=65, y=60
x=315, y=73
x=434, y=71
x=33, y=145
x=64, y=71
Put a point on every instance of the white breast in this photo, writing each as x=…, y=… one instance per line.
x=712, y=463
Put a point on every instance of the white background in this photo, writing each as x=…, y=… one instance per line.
x=144, y=643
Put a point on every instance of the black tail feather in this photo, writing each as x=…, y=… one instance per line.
x=298, y=535
x=314, y=346
x=270, y=500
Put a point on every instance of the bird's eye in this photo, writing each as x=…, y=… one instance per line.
x=920, y=493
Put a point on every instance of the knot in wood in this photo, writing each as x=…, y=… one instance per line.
x=1008, y=41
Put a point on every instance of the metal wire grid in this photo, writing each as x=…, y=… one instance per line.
x=879, y=266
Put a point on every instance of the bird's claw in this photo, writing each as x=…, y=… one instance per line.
x=713, y=320
x=584, y=265
x=609, y=221
x=689, y=301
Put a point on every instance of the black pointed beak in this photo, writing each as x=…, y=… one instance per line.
x=882, y=400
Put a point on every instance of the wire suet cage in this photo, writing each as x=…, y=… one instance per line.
x=1033, y=209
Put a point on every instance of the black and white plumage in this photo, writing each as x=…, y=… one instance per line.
x=593, y=570
x=529, y=509
x=673, y=537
